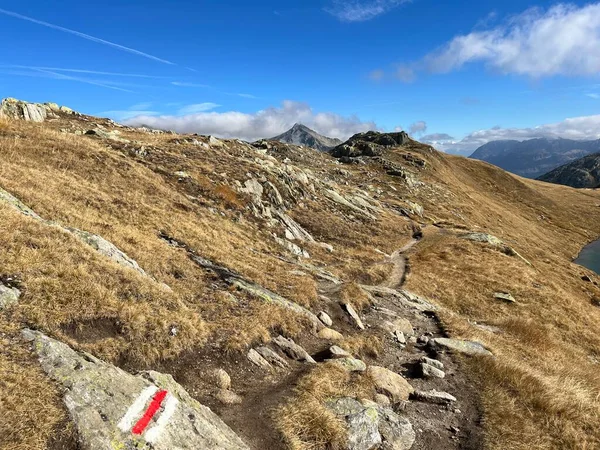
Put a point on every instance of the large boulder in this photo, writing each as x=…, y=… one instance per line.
x=390, y=383
x=112, y=409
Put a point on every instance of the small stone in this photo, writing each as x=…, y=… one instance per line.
x=272, y=357
x=354, y=315
x=433, y=362
x=350, y=364
x=338, y=352
x=423, y=340
x=433, y=396
x=330, y=335
x=228, y=397
x=400, y=337
x=258, y=360
x=221, y=379
x=507, y=297
x=431, y=372
x=324, y=317
x=586, y=278
x=412, y=340
x=455, y=430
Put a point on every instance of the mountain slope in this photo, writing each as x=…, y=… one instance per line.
x=240, y=246
x=302, y=135
x=582, y=173
x=534, y=157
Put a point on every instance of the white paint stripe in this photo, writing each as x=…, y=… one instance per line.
x=136, y=408
x=154, y=433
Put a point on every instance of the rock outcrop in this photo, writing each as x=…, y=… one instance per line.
x=112, y=409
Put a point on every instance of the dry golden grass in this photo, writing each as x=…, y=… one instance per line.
x=352, y=293
x=305, y=421
x=540, y=391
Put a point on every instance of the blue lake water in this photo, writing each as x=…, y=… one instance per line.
x=590, y=256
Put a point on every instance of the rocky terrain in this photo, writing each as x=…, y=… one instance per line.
x=182, y=291
x=534, y=157
x=582, y=173
x=302, y=135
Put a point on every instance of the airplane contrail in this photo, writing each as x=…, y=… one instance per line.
x=85, y=36
x=86, y=71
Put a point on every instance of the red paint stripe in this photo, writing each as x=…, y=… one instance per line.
x=154, y=406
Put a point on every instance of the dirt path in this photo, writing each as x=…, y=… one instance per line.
x=396, y=278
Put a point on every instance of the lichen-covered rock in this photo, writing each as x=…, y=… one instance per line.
x=272, y=357
x=255, y=358
x=372, y=426
x=350, y=364
x=109, y=406
x=354, y=315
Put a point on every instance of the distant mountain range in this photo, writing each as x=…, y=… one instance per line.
x=534, y=157
x=302, y=135
x=582, y=173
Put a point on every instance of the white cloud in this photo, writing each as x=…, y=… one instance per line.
x=418, y=128
x=186, y=84
x=261, y=124
x=564, y=40
x=405, y=74
x=593, y=95
x=577, y=128
x=84, y=36
x=376, y=75
x=361, y=10
x=197, y=108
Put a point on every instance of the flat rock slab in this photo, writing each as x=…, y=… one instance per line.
x=293, y=350
x=112, y=409
x=505, y=296
x=433, y=396
x=470, y=348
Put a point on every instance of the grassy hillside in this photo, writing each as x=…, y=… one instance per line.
x=161, y=197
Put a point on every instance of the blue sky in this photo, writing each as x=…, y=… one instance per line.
x=453, y=74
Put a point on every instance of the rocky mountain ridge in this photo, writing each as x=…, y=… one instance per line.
x=302, y=135
x=191, y=291
x=581, y=173
x=534, y=157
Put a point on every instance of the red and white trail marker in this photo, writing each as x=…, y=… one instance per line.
x=138, y=416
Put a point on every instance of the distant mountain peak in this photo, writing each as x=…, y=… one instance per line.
x=300, y=134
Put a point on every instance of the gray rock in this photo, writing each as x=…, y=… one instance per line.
x=505, y=296
x=470, y=348
x=106, y=402
x=338, y=352
x=433, y=396
x=350, y=364
x=293, y=350
x=257, y=359
x=398, y=325
x=371, y=426
x=272, y=357
x=428, y=371
x=399, y=335
x=8, y=296
x=324, y=317
x=354, y=315
x=433, y=362
x=496, y=242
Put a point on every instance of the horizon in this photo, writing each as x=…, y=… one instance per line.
x=508, y=72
